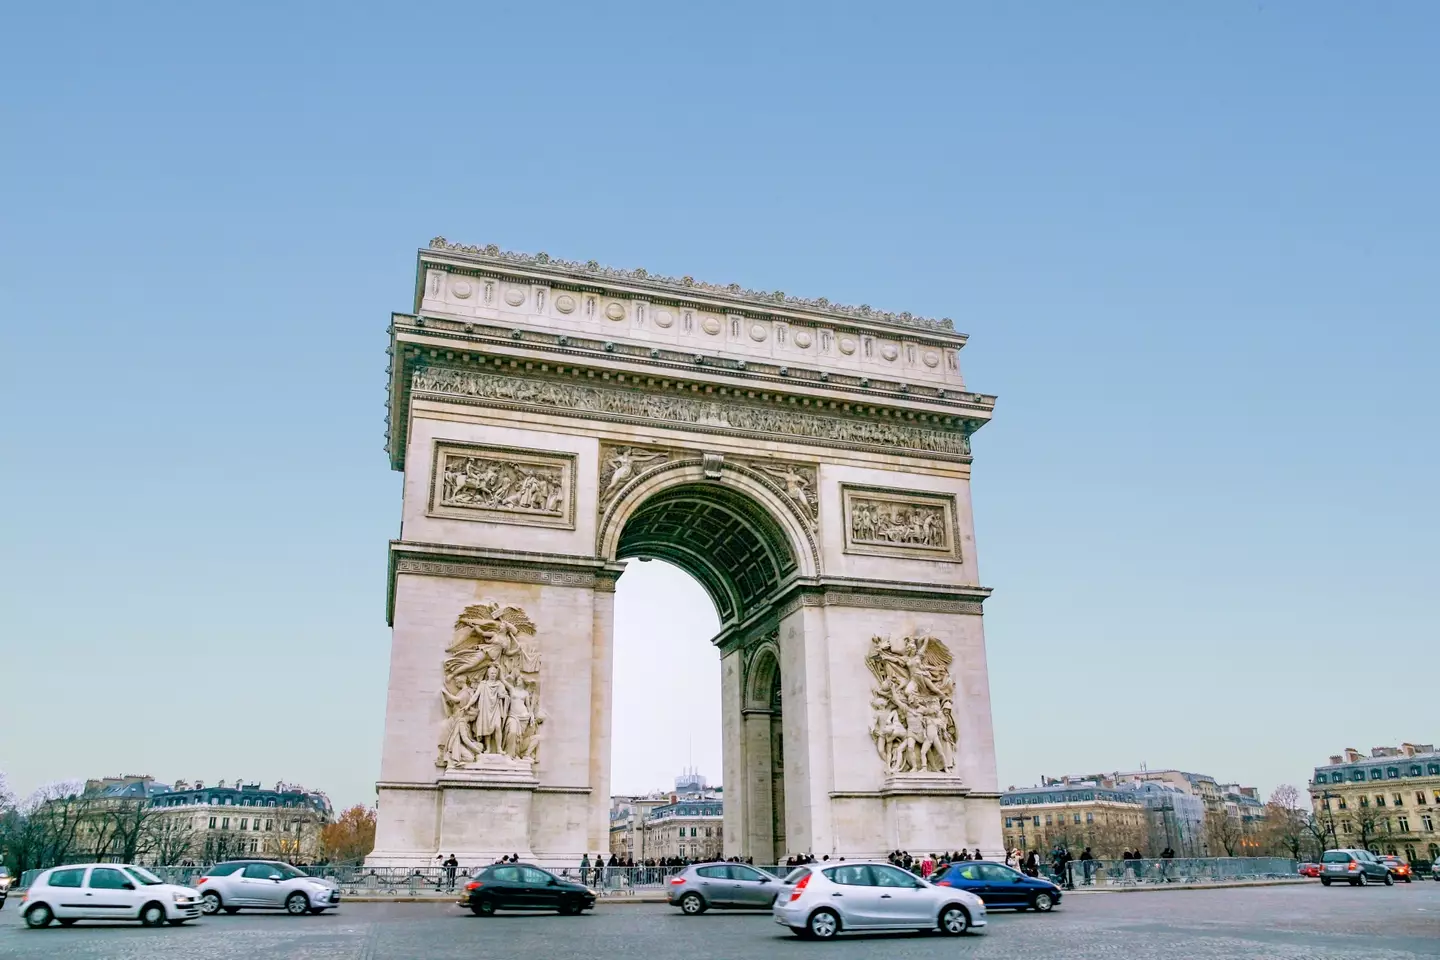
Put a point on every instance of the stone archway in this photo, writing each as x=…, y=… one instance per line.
x=807, y=463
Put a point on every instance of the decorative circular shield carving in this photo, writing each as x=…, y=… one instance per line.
x=711, y=325
x=614, y=311
x=461, y=289
x=931, y=358
x=757, y=333
x=514, y=297
x=663, y=318
x=847, y=346
x=565, y=303
x=802, y=340
x=889, y=351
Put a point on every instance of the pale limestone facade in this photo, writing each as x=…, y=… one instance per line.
x=808, y=463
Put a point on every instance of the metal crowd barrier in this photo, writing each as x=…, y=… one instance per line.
x=1132, y=873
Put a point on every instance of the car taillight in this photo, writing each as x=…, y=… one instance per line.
x=799, y=888
x=474, y=885
x=201, y=880
x=676, y=881
x=942, y=883
x=1354, y=865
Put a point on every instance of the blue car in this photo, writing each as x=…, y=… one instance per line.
x=999, y=886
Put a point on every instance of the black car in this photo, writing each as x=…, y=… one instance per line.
x=521, y=886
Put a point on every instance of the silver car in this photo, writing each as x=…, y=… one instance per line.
x=817, y=902
x=264, y=885
x=726, y=886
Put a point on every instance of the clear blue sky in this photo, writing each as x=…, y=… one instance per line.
x=1195, y=247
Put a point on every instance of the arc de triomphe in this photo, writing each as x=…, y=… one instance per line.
x=807, y=462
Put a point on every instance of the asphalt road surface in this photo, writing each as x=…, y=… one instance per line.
x=1275, y=923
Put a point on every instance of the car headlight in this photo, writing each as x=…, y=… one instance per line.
x=591, y=892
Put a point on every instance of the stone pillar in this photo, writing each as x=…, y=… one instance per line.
x=806, y=722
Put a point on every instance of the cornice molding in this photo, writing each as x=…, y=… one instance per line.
x=591, y=271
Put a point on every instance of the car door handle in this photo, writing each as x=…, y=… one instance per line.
x=837, y=894
x=884, y=896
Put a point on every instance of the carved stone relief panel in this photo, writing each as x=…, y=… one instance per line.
x=503, y=485
x=900, y=523
x=798, y=481
x=621, y=463
x=491, y=692
x=912, y=705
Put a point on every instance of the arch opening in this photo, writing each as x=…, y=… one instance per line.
x=720, y=536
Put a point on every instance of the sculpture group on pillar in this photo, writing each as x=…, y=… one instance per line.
x=491, y=689
x=913, y=704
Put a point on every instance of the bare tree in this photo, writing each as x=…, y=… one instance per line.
x=1286, y=822
x=170, y=838
x=1223, y=832
x=128, y=821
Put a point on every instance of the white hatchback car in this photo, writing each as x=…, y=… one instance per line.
x=106, y=891
x=820, y=900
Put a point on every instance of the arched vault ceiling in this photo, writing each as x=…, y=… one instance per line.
x=721, y=537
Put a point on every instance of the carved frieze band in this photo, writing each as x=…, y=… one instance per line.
x=502, y=485
x=731, y=417
x=872, y=601
x=516, y=574
x=900, y=523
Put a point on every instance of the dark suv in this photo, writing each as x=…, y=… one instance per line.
x=1355, y=867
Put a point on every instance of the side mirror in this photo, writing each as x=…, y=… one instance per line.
x=554, y=882
x=276, y=877
x=127, y=885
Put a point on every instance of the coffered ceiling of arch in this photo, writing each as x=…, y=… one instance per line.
x=737, y=553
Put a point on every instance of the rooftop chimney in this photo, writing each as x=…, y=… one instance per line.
x=1336, y=758
x=1408, y=749
x=1352, y=755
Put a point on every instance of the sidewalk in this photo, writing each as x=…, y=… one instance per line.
x=619, y=899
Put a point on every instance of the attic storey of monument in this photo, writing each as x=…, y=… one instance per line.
x=808, y=464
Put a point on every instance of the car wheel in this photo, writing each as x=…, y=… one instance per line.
x=210, y=904
x=1389, y=880
x=152, y=915
x=38, y=916
x=954, y=921
x=297, y=904
x=691, y=905
x=1324, y=881
x=483, y=908
x=822, y=925
x=1043, y=902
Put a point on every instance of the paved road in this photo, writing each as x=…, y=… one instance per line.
x=1274, y=923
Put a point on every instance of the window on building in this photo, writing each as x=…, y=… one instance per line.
x=1357, y=775
x=1037, y=821
x=1342, y=803
x=1398, y=800
x=1379, y=799
x=1345, y=826
x=269, y=824
x=1420, y=798
x=1404, y=823
x=1319, y=778
x=1377, y=774
x=1077, y=818
x=1089, y=818
x=1047, y=820
x=1414, y=769
x=212, y=823
x=1393, y=773
x=254, y=845
x=1433, y=769
x=1427, y=823
x=224, y=823
x=244, y=823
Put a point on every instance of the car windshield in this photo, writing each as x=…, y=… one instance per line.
x=288, y=872
x=143, y=876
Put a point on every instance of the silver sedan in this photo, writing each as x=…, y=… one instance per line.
x=819, y=901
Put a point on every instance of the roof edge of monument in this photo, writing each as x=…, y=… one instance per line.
x=593, y=270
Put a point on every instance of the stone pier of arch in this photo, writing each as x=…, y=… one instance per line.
x=808, y=463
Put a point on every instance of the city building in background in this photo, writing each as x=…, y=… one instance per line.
x=685, y=824
x=1074, y=814
x=243, y=819
x=1388, y=802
